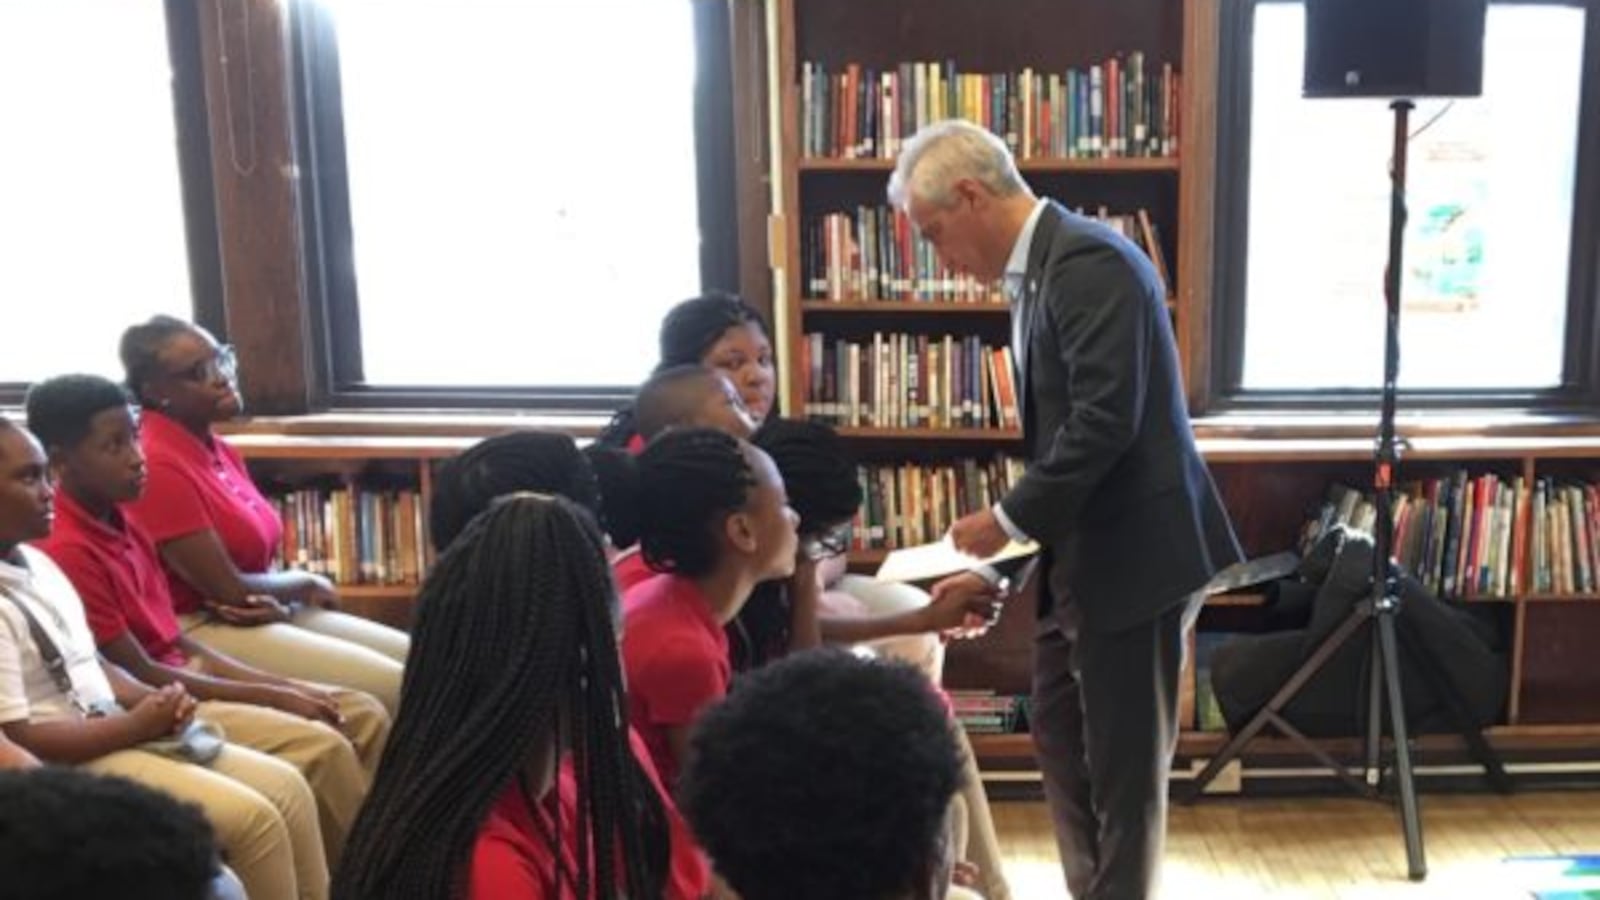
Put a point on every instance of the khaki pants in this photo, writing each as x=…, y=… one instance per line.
x=880, y=598
x=261, y=808
x=326, y=758
x=318, y=646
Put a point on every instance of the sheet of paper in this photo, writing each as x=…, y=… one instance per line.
x=941, y=558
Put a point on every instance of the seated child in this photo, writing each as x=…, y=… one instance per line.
x=91, y=435
x=826, y=775
x=504, y=772
x=64, y=704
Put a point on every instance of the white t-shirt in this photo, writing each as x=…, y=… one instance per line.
x=27, y=693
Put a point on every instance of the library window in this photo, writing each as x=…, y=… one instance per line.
x=92, y=221
x=507, y=193
x=1489, y=278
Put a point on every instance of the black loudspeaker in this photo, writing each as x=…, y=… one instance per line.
x=1394, y=48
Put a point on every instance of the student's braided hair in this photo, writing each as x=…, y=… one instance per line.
x=688, y=332
x=669, y=497
x=818, y=472
x=140, y=349
x=546, y=462
x=820, y=478
x=515, y=633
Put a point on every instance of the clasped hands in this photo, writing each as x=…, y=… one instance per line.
x=979, y=535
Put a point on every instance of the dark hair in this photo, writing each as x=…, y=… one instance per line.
x=818, y=471
x=691, y=328
x=67, y=834
x=60, y=408
x=670, y=397
x=820, y=478
x=823, y=775
x=515, y=634
x=542, y=461
x=140, y=349
x=688, y=332
x=669, y=496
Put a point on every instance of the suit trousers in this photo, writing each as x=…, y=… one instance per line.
x=1105, y=726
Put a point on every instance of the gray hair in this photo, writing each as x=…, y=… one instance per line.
x=938, y=156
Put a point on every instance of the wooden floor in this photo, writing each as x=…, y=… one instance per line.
x=1321, y=848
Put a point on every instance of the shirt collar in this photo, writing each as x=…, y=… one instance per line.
x=161, y=430
x=1017, y=265
x=70, y=512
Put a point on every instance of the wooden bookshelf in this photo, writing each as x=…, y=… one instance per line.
x=898, y=307
x=1035, y=166
x=931, y=434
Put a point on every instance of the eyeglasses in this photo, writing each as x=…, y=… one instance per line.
x=827, y=544
x=222, y=364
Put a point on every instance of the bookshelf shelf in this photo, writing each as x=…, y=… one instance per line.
x=992, y=435
x=1038, y=165
x=379, y=591
x=910, y=307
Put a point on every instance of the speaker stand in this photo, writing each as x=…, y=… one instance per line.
x=1383, y=608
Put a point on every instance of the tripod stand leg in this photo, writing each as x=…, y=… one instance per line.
x=1269, y=712
x=1494, y=771
x=1416, y=864
x=1374, y=714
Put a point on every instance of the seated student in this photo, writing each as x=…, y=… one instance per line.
x=718, y=331
x=691, y=396
x=709, y=511
x=218, y=536
x=508, y=741
x=92, y=438
x=687, y=396
x=821, y=482
x=68, y=835
x=549, y=463
x=826, y=775
x=64, y=704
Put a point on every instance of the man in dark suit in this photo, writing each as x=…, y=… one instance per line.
x=1116, y=494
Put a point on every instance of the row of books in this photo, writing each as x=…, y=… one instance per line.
x=909, y=381
x=355, y=536
x=1125, y=106
x=873, y=253
x=1485, y=536
x=909, y=505
x=986, y=712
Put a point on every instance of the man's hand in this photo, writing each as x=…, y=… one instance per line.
x=257, y=609
x=979, y=534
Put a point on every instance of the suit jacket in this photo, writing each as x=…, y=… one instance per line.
x=1115, y=491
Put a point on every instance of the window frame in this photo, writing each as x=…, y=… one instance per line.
x=192, y=127
x=332, y=296
x=1579, y=391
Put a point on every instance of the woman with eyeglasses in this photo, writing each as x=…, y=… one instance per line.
x=218, y=536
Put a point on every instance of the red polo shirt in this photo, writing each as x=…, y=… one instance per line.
x=631, y=570
x=676, y=658
x=116, y=570
x=513, y=861
x=195, y=485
